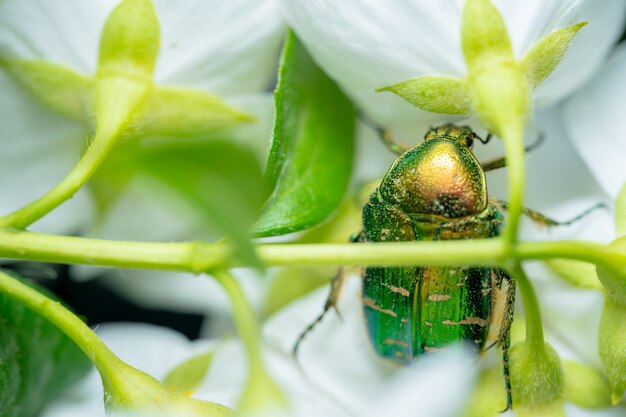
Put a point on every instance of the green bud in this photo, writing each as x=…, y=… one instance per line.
x=620, y=212
x=612, y=344
x=536, y=375
x=585, y=386
x=130, y=40
x=613, y=275
x=128, y=389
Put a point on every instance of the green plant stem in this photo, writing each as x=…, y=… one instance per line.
x=198, y=257
x=95, y=350
x=516, y=177
x=97, y=152
x=534, y=327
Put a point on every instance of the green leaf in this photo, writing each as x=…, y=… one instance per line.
x=187, y=377
x=585, y=386
x=546, y=54
x=55, y=86
x=183, y=112
x=310, y=159
x=434, y=93
x=37, y=362
x=577, y=273
x=219, y=178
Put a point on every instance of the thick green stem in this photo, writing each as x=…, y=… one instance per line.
x=64, y=320
x=200, y=257
x=534, y=327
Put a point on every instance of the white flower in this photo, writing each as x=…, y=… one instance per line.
x=368, y=44
x=338, y=375
x=595, y=123
x=226, y=48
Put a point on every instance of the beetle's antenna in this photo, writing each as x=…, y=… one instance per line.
x=486, y=140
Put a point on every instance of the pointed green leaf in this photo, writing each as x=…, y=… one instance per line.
x=483, y=33
x=55, y=86
x=187, y=377
x=130, y=40
x=546, y=54
x=577, y=273
x=37, y=362
x=620, y=212
x=310, y=159
x=220, y=179
x=179, y=112
x=585, y=386
x=434, y=93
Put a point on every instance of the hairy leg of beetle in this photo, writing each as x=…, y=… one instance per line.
x=388, y=141
x=507, y=287
x=501, y=162
x=331, y=302
x=547, y=221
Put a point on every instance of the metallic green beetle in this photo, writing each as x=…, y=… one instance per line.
x=435, y=191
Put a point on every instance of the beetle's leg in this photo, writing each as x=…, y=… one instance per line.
x=501, y=162
x=331, y=302
x=392, y=145
x=547, y=221
x=501, y=319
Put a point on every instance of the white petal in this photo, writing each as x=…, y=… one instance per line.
x=61, y=31
x=367, y=44
x=38, y=150
x=228, y=47
x=595, y=122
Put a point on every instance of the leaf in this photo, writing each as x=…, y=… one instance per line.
x=576, y=273
x=187, y=377
x=433, y=93
x=483, y=33
x=548, y=52
x=219, y=178
x=310, y=159
x=37, y=362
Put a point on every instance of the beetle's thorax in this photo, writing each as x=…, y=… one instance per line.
x=440, y=176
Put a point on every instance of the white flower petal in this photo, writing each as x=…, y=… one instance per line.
x=368, y=44
x=595, y=122
x=228, y=47
x=61, y=31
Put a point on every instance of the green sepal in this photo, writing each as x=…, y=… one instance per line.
x=55, y=86
x=37, y=361
x=310, y=158
x=178, y=112
x=536, y=376
x=577, y=273
x=187, y=376
x=484, y=36
x=488, y=398
x=435, y=94
x=611, y=341
x=129, y=44
x=546, y=54
x=585, y=386
x=620, y=212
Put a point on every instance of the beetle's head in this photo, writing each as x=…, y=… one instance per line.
x=463, y=135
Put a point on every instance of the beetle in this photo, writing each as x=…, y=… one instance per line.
x=435, y=191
